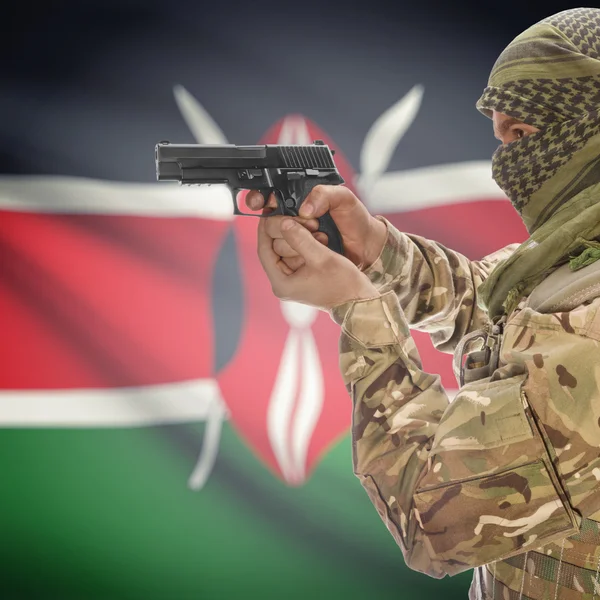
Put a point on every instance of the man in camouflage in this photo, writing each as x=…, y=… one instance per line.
x=505, y=478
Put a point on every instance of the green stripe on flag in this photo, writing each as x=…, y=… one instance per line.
x=99, y=514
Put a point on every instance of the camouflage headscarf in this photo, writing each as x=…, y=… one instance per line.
x=548, y=77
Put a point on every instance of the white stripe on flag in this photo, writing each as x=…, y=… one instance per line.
x=36, y=193
x=180, y=402
x=427, y=187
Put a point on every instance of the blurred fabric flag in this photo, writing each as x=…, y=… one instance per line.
x=170, y=429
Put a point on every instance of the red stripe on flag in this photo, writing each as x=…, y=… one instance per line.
x=474, y=228
x=102, y=301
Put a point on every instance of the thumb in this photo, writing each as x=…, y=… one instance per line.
x=302, y=241
x=323, y=199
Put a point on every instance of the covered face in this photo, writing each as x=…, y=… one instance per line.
x=549, y=78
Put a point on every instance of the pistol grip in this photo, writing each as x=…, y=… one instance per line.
x=327, y=225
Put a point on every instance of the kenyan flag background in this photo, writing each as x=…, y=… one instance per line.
x=169, y=430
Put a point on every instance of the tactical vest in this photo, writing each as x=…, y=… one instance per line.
x=568, y=570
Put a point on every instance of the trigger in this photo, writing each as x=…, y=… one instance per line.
x=277, y=207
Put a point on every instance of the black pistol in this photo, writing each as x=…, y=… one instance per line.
x=289, y=172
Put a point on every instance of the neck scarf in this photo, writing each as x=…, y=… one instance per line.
x=548, y=77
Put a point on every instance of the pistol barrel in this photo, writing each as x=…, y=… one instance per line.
x=173, y=161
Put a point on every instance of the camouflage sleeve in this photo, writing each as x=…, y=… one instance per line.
x=436, y=286
x=479, y=479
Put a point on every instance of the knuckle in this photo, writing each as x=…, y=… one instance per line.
x=321, y=198
x=282, y=248
x=318, y=193
x=294, y=262
x=342, y=196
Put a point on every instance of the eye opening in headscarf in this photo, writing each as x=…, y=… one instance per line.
x=505, y=125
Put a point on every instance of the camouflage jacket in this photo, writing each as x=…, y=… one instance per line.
x=513, y=461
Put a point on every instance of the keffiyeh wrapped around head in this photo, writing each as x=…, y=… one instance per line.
x=548, y=77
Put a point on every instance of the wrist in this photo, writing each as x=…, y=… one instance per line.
x=366, y=291
x=376, y=240
x=362, y=290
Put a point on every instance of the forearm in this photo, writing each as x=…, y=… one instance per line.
x=397, y=408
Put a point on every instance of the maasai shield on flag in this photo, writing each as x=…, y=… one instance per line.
x=170, y=429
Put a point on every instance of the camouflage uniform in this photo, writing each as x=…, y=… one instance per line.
x=506, y=474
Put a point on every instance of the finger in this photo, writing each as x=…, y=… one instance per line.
x=283, y=249
x=284, y=267
x=272, y=201
x=310, y=224
x=271, y=204
x=302, y=241
x=322, y=199
x=254, y=200
x=268, y=259
x=321, y=237
x=294, y=262
x=273, y=225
